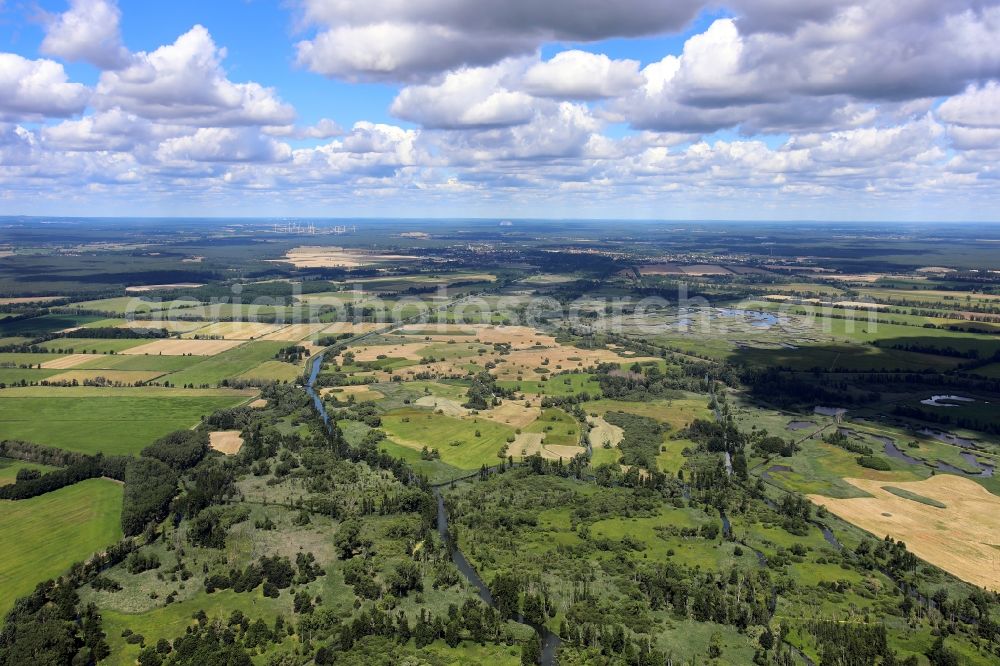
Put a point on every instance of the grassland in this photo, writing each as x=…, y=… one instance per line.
x=31, y=375
x=910, y=495
x=273, y=371
x=44, y=535
x=109, y=420
x=228, y=364
x=559, y=428
x=129, y=362
x=90, y=345
x=455, y=438
x=557, y=385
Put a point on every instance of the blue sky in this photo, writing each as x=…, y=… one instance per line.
x=835, y=109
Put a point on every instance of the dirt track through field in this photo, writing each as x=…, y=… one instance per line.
x=963, y=538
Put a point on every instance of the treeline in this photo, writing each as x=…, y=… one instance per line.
x=784, y=389
x=926, y=348
x=271, y=293
x=28, y=486
x=943, y=418
x=126, y=333
x=150, y=480
x=40, y=454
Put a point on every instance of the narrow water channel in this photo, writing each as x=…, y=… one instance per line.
x=550, y=641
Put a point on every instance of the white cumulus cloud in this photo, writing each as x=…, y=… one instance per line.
x=31, y=89
x=184, y=82
x=223, y=144
x=471, y=97
x=88, y=31
x=582, y=75
x=402, y=41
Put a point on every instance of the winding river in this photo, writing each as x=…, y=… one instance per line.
x=550, y=641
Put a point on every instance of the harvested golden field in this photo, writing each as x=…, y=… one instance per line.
x=336, y=257
x=138, y=289
x=335, y=298
x=518, y=337
x=856, y=277
x=70, y=361
x=350, y=327
x=361, y=392
x=557, y=451
x=529, y=443
x=122, y=376
x=963, y=538
x=236, y=330
x=259, y=403
x=528, y=361
x=451, y=331
x=601, y=431
x=226, y=441
x=294, y=332
x=183, y=347
x=526, y=444
x=861, y=305
x=29, y=299
x=705, y=269
x=447, y=406
x=514, y=413
x=171, y=325
x=409, y=351
x=522, y=364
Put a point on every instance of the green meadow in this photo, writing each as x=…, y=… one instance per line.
x=112, y=421
x=231, y=363
x=557, y=385
x=455, y=438
x=44, y=535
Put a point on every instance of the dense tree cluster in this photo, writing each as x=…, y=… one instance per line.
x=641, y=440
x=181, y=449
x=49, y=628
x=88, y=468
x=150, y=485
